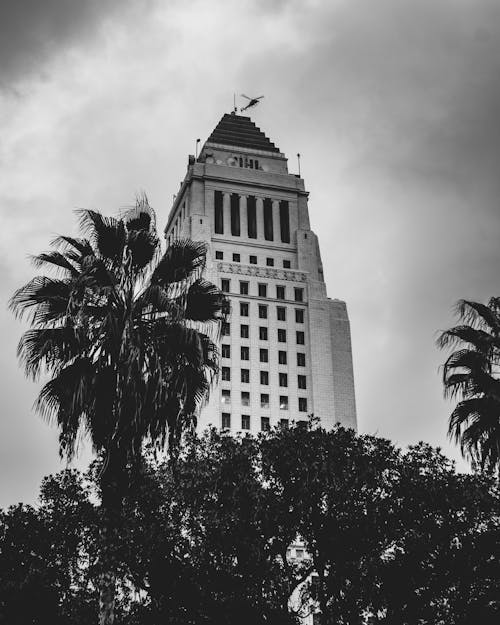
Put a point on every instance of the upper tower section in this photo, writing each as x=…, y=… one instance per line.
x=239, y=159
x=237, y=142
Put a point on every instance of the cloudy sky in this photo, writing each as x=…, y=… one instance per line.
x=392, y=104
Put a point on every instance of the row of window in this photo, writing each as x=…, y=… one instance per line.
x=251, y=208
x=264, y=375
x=298, y=292
x=280, y=312
x=263, y=333
x=219, y=255
x=264, y=400
x=264, y=355
x=265, y=424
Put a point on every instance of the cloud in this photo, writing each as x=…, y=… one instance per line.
x=393, y=106
x=33, y=31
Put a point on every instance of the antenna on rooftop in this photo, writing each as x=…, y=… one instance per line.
x=235, y=108
x=298, y=161
x=196, y=149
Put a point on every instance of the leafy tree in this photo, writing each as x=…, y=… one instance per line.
x=217, y=541
x=441, y=566
x=387, y=532
x=471, y=374
x=391, y=537
x=119, y=334
x=46, y=556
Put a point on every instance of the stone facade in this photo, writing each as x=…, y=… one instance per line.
x=288, y=351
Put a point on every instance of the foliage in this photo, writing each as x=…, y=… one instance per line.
x=390, y=537
x=471, y=374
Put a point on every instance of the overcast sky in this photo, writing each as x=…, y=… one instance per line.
x=394, y=106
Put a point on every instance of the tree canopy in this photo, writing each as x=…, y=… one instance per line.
x=385, y=536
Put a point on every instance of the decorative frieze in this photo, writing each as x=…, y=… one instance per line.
x=262, y=272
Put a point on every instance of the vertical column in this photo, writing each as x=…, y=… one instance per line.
x=268, y=220
x=276, y=219
x=260, y=217
x=218, y=212
x=243, y=216
x=226, y=207
x=235, y=215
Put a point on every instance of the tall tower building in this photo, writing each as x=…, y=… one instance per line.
x=286, y=348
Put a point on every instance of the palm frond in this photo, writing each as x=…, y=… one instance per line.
x=140, y=216
x=82, y=246
x=481, y=340
x=106, y=233
x=54, y=259
x=155, y=300
x=49, y=348
x=468, y=359
x=48, y=297
x=67, y=398
x=204, y=302
x=478, y=315
x=144, y=246
x=184, y=259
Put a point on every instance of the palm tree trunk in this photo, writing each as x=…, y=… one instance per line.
x=111, y=510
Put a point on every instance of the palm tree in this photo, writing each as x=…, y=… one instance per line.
x=128, y=337
x=472, y=374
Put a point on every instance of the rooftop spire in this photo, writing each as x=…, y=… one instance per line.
x=240, y=131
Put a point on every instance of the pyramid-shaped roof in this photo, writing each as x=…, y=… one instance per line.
x=240, y=131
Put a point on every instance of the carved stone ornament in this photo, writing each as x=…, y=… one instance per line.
x=261, y=272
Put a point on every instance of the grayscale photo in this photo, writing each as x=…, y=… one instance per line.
x=250, y=258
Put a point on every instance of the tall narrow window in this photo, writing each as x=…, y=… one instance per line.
x=235, y=214
x=268, y=220
x=251, y=217
x=245, y=421
x=284, y=222
x=226, y=421
x=219, y=212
